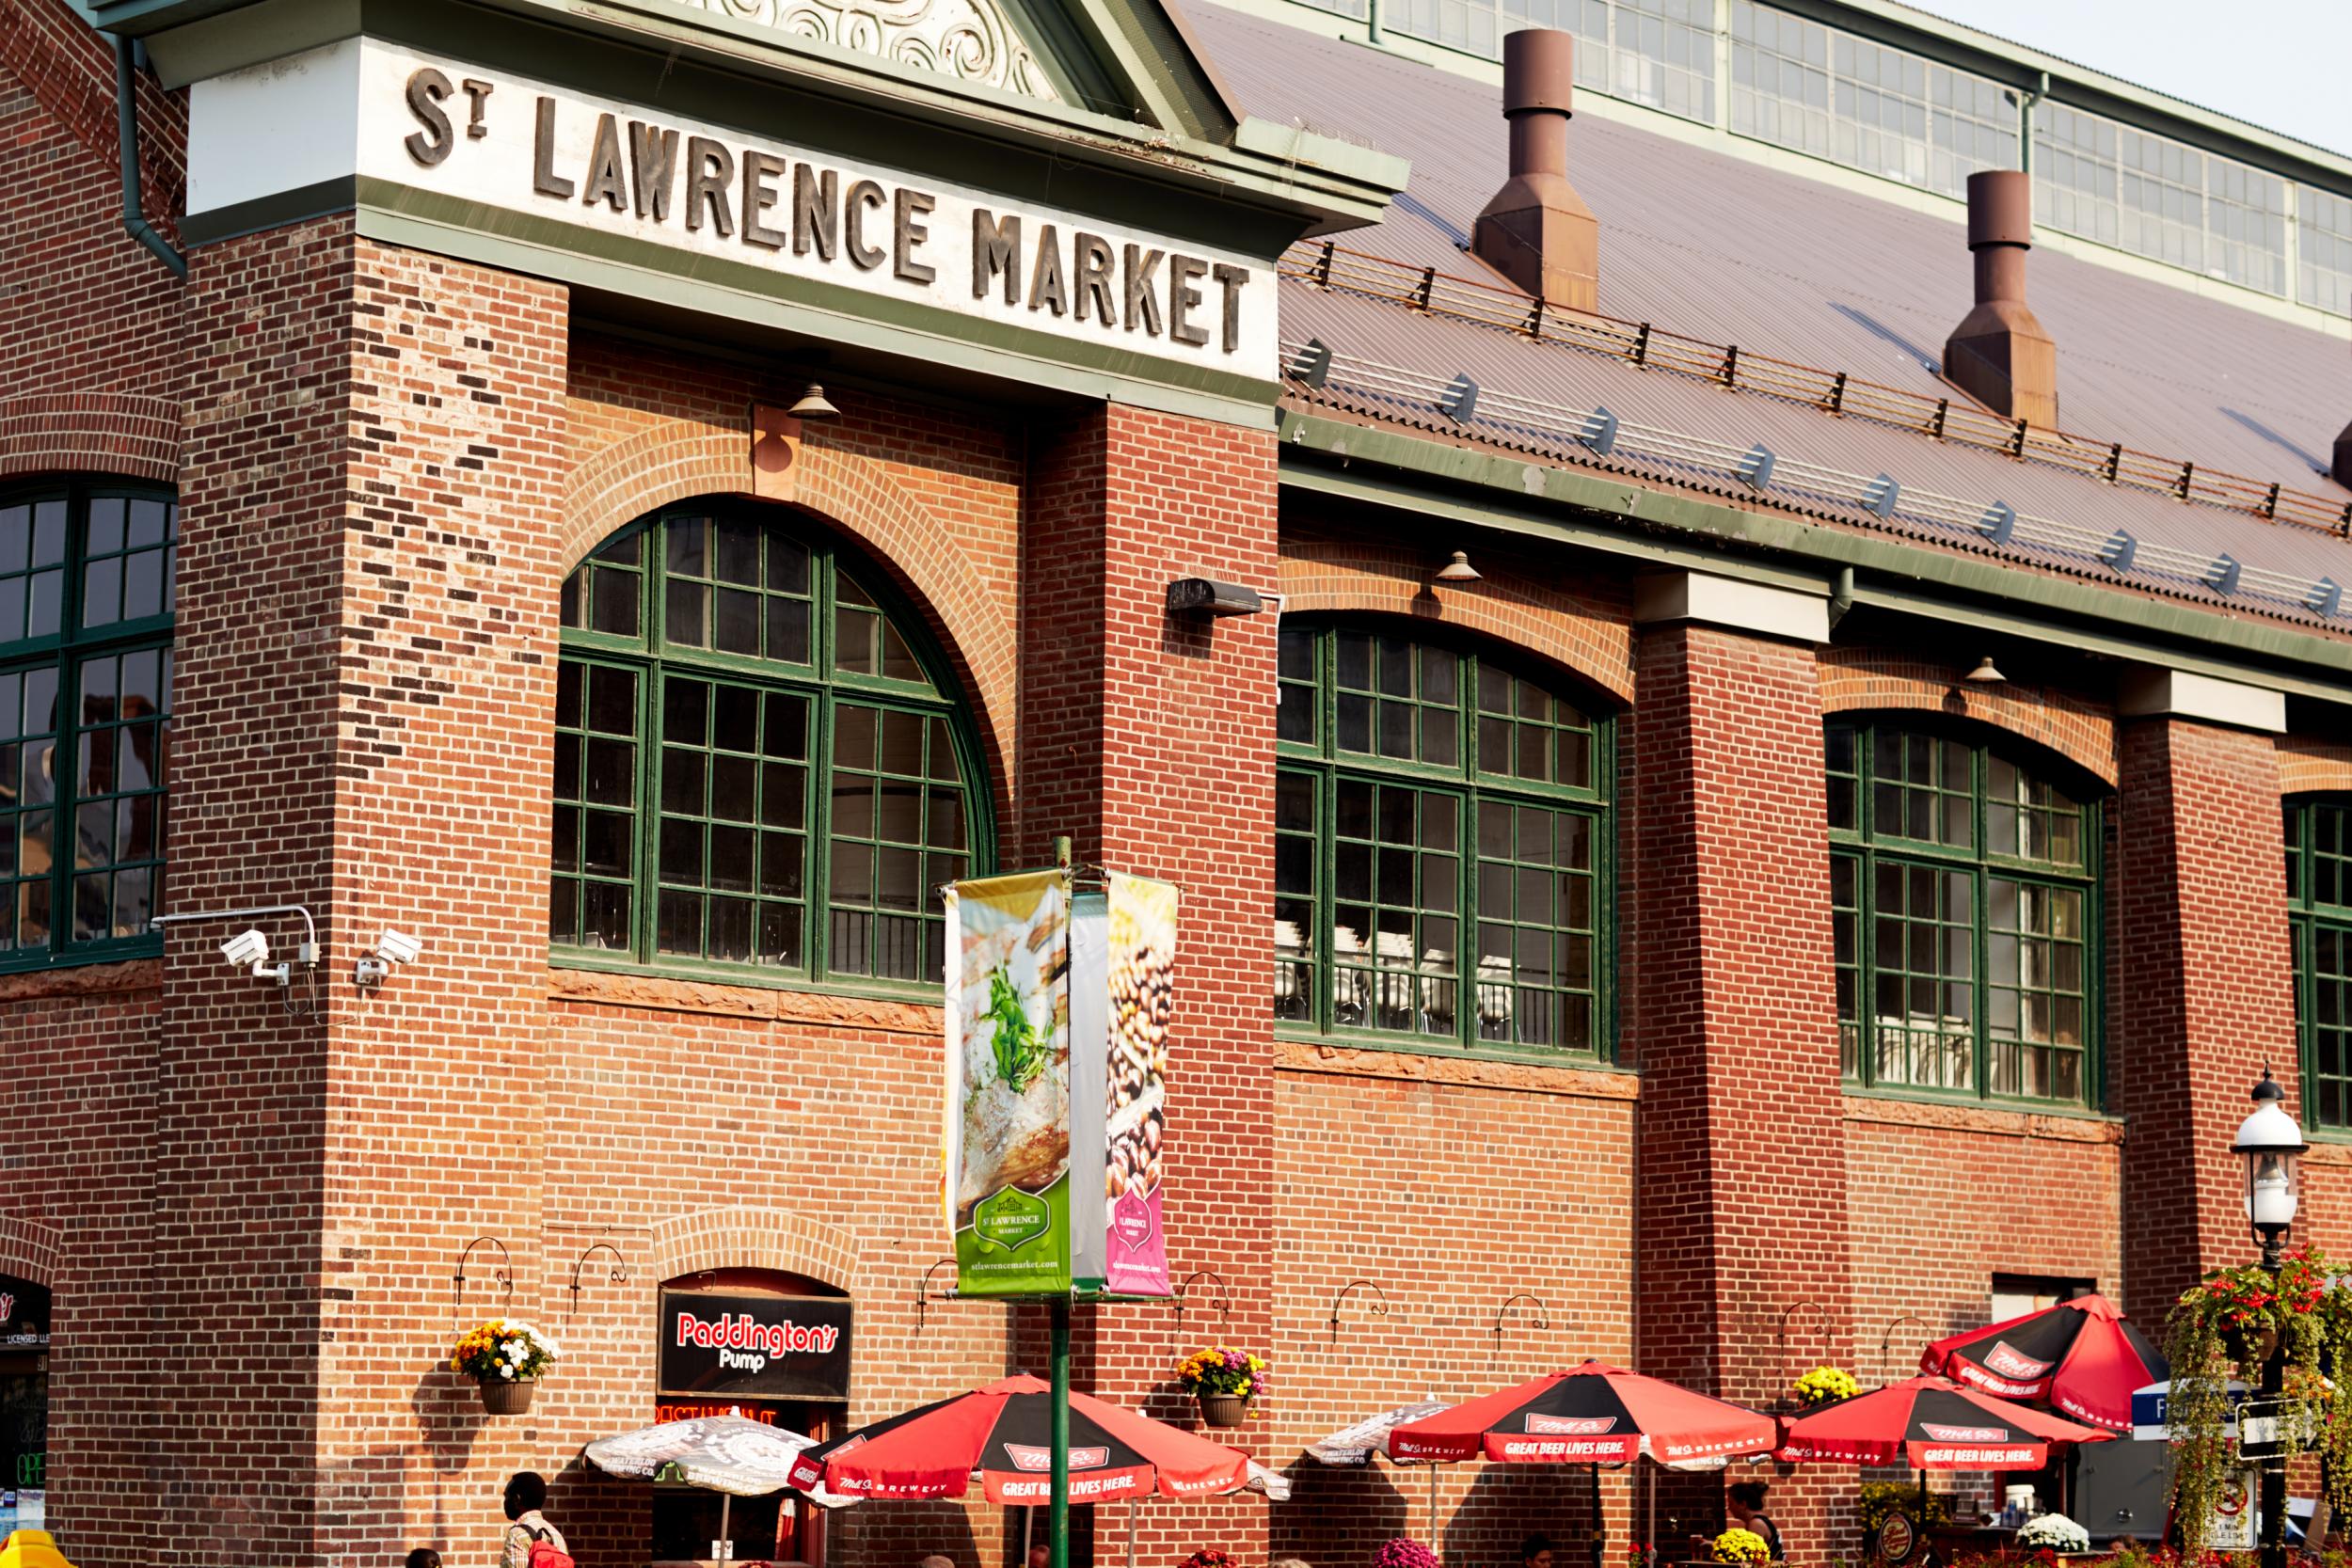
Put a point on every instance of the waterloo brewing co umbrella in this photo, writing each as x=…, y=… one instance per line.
x=1590, y=1415
x=2082, y=1357
x=1931, y=1423
x=1004, y=1433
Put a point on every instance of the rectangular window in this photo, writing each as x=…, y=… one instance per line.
x=1396, y=876
x=2106, y=180
x=2319, y=901
x=1535, y=929
x=591, y=902
x=1295, y=820
x=2323, y=249
x=897, y=834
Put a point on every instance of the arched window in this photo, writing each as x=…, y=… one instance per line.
x=759, y=757
x=87, y=573
x=1963, y=884
x=2320, y=905
x=1442, y=846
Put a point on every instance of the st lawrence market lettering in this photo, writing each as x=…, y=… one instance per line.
x=706, y=187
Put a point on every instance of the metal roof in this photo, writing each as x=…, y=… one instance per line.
x=1721, y=248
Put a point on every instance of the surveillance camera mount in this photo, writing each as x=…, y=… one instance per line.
x=306, y=954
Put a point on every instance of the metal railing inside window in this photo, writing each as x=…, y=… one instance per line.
x=1440, y=851
x=1961, y=897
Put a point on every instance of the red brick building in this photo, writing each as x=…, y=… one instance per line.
x=636, y=496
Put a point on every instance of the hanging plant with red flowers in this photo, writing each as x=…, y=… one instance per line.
x=2228, y=1327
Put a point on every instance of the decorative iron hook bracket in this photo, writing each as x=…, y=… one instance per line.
x=1889, y=1339
x=1379, y=1307
x=1542, y=1321
x=1184, y=1292
x=619, y=1274
x=505, y=1276
x=923, y=1291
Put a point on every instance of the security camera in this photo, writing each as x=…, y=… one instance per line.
x=391, y=949
x=246, y=949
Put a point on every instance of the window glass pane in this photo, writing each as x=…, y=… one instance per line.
x=1394, y=940
x=898, y=836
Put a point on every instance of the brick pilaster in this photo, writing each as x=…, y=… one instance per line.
x=2201, y=970
x=1740, y=1198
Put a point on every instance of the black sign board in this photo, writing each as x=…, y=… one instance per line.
x=718, y=1344
x=1899, y=1539
x=24, y=1314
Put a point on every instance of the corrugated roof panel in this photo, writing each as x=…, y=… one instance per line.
x=1733, y=251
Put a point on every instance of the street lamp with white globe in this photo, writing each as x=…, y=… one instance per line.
x=2271, y=1144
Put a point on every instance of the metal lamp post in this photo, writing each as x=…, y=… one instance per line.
x=2271, y=1143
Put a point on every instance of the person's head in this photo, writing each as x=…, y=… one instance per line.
x=1041, y=1556
x=526, y=1493
x=1290, y=1563
x=1747, y=1496
x=935, y=1560
x=423, y=1557
x=1535, y=1551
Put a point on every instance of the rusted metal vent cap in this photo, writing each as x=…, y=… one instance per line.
x=2000, y=208
x=1538, y=70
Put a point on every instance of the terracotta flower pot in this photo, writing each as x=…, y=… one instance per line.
x=502, y=1396
x=1223, y=1410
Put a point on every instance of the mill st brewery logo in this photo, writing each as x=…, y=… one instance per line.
x=2009, y=1361
x=1025, y=1456
x=1943, y=1433
x=1571, y=1426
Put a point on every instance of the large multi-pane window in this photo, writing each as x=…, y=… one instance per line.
x=2324, y=250
x=2319, y=900
x=757, y=759
x=2105, y=181
x=1441, y=846
x=85, y=600
x=1870, y=107
x=1660, y=53
x=1963, y=890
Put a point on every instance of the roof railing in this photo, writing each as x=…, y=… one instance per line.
x=1320, y=372
x=1648, y=346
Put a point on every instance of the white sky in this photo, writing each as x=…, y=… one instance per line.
x=2285, y=65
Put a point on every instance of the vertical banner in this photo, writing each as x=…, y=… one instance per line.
x=1006, y=1138
x=1139, y=998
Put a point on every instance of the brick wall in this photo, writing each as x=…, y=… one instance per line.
x=2199, y=974
x=1741, y=1202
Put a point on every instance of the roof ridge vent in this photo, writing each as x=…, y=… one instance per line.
x=1536, y=230
x=2000, y=353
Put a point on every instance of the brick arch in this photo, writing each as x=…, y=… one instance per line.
x=90, y=433
x=623, y=480
x=2313, y=767
x=29, y=1249
x=750, y=1238
x=1862, y=677
x=1579, y=634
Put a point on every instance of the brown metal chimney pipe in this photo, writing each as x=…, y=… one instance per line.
x=2000, y=353
x=1536, y=230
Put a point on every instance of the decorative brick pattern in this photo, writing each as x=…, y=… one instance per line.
x=29, y=1249
x=2307, y=766
x=1330, y=568
x=1867, y=676
x=103, y=432
x=746, y=1237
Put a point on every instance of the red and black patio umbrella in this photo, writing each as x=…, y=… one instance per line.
x=1590, y=1415
x=2082, y=1357
x=1004, y=1433
x=1931, y=1423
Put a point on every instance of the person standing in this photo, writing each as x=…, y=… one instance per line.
x=531, y=1541
x=1746, y=1507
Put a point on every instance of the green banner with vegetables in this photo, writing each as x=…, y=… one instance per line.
x=1006, y=1136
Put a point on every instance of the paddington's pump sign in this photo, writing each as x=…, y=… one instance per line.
x=719, y=1344
x=1058, y=1004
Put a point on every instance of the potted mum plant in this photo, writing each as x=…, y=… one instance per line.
x=1740, y=1548
x=1224, y=1380
x=1824, y=1386
x=1403, y=1551
x=506, y=1359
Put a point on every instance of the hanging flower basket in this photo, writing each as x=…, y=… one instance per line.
x=1224, y=1381
x=507, y=1397
x=506, y=1359
x=1223, y=1410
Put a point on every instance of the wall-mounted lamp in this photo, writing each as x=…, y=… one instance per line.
x=392, y=949
x=1208, y=596
x=1458, y=569
x=814, y=405
x=1985, y=674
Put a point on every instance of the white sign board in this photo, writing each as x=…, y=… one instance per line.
x=2231, y=1527
x=434, y=123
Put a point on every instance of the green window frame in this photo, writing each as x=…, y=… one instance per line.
x=1444, y=857
x=2319, y=916
x=763, y=771
x=1964, y=905
x=88, y=571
